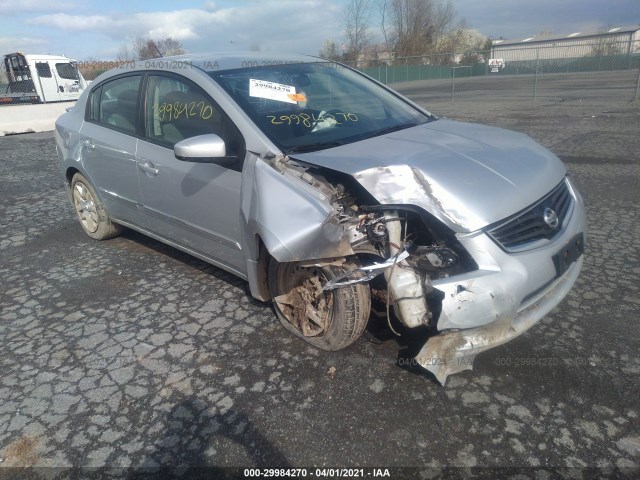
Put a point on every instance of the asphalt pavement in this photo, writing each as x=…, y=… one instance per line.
x=128, y=352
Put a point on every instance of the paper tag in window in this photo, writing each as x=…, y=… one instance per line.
x=272, y=91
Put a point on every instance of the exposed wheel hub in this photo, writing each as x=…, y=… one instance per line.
x=305, y=305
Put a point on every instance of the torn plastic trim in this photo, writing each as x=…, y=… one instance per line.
x=367, y=273
x=454, y=351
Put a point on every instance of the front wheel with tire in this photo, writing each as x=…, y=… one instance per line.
x=330, y=320
x=91, y=212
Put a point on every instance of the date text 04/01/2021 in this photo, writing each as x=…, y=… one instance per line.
x=318, y=472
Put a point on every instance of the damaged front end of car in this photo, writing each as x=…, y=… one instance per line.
x=428, y=257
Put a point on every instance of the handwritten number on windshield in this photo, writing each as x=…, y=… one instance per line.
x=310, y=120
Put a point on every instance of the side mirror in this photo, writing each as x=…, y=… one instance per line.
x=208, y=148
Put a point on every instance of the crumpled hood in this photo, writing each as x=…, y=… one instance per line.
x=467, y=175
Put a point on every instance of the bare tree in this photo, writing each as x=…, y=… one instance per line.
x=416, y=27
x=413, y=29
x=383, y=11
x=145, y=48
x=124, y=55
x=170, y=46
x=357, y=16
x=330, y=51
x=444, y=21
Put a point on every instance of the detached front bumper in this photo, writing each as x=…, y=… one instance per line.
x=507, y=295
x=454, y=351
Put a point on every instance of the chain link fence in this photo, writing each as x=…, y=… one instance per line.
x=596, y=69
x=4, y=82
x=602, y=69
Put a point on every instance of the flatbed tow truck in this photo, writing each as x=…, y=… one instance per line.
x=40, y=79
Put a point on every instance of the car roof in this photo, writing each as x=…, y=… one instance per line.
x=217, y=61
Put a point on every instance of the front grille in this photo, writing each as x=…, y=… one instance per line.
x=529, y=226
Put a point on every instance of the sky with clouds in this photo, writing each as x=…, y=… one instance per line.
x=88, y=29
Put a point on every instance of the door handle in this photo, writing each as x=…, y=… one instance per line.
x=88, y=144
x=147, y=167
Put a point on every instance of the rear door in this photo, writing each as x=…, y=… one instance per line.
x=108, y=151
x=195, y=205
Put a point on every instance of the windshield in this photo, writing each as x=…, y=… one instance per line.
x=312, y=106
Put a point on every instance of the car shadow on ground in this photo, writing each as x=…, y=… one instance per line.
x=408, y=342
x=193, y=444
x=142, y=240
x=378, y=331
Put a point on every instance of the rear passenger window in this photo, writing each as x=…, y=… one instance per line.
x=177, y=109
x=115, y=103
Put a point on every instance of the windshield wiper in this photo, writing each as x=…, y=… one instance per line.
x=310, y=147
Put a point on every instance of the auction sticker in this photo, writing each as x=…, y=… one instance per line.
x=272, y=91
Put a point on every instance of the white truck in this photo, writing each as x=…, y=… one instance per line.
x=40, y=79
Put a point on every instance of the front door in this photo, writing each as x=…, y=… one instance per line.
x=195, y=205
x=68, y=80
x=46, y=82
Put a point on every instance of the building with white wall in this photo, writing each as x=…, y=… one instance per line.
x=612, y=41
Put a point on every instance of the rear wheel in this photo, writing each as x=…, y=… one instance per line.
x=91, y=213
x=330, y=320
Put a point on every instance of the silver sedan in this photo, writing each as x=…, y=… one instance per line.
x=332, y=195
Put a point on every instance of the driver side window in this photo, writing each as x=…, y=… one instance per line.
x=177, y=109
